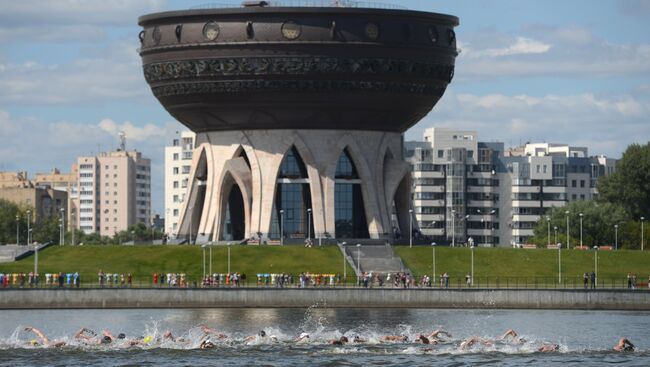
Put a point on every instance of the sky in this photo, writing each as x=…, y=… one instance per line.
x=574, y=72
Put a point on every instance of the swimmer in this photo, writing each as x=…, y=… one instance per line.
x=548, y=348
x=85, y=334
x=207, y=330
x=261, y=335
x=357, y=339
x=435, y=333
x=303, y=338
x=340, y=341
x=424, y=340
x=624, y=345
x=512, y=335
x=206, y=344
x=472, y=340
x=394, y=338
x=44, y=340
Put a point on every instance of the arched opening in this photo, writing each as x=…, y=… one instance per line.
x=349, y=210
x=235, y=221
x=292, y=205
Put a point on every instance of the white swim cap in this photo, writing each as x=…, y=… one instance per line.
x=304, y=335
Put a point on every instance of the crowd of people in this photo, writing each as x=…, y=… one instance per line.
x=209, y=338
x=114, y=280
x=32, y=280
x=171, y=280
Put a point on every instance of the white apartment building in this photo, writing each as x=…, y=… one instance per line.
x=114, y=191
x=466, y=189
x=178, y=163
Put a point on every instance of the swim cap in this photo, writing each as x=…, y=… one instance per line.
x=121, y=336
x=262, y=333
x=33, y=342
x=106, y=339
x=304, y=335
x=147, y=339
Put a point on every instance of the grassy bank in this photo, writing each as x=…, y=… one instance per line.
x=142, y=261
x=507, y=262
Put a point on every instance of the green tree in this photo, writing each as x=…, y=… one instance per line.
x=8, y=213
x=598, y=220
x=629, y=186
x=46, y=230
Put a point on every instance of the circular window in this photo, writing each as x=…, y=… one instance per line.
x=372, y=31
x=211, y=31
x=452, y=37
x=155, y=35
x=291, y=30
x=433, y=34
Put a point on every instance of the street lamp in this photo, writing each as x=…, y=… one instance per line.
x=555, y=228
x=410, y=228
x=433, y=262
x=548, y=225
x=559, y=262
x=133, y=237
x=210, y=267
x=309, y=224
x=596, y=264
x=359, y=259
x=616, y=236
x=567, y=229
x=29, y=231
x=472, y=251
x=281, y=227
x=62, y=242
x=345, y=265
x=203, y=248
x=35, y=260
x=642, y=219
x=229, y=257
x=17, y=230
x=580, y=229
x=453, y=228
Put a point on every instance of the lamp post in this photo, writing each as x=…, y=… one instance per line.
x=567, y=229
x=616, y=236
x=309, y=224
x=35, y=259
x=281, y=227
x=433, y=262
x=210, y=266
x=559, y=263
x=596, y=264
x=359, y=259
x=580, y=229
x=17, y=230
x=229, y=257
x=453, y=228
x=410, y=228
x=548, y=225
x=642, y=219
x=29, y=231
x=472, y=272
x=555, y=229
x=73, y=224
x=62, y=227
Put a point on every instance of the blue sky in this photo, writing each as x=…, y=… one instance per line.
x=574, y=72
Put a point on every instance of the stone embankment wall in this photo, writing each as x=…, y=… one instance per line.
x=339, y=298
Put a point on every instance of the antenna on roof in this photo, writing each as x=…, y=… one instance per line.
x=122, y=141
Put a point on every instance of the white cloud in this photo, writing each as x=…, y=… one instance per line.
x=567, y=51
x=521, y=46
x=605, y=124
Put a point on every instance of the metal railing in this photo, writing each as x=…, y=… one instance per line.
x=307, y=4
x=576, y=283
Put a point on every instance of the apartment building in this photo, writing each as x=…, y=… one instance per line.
x=464, y=188
x=114, y=191
x=178, y=163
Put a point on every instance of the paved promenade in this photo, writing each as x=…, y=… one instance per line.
x=339, y=298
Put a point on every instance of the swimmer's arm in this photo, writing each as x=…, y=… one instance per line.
x=38, y=333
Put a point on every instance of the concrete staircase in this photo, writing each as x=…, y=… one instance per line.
x=375, y=256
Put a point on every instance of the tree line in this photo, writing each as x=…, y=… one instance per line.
x=623, y=198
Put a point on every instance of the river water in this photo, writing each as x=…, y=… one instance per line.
x=585, y=338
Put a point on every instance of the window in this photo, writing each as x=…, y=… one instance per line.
x=175, y=170
x=176, y=212
x=441, y=153
x=186, y=169
x=115, y=202
x=573, y=183
x=582, y=196
x=106, y=175
x=115, y=167
x=537, y=168
x=573, y=197
x=175, y=184
x=544, y=169
x=470, y=154
x=582, y=183
x=176, y=198
x=175, y=142
x=115, y=175
x=106, y=167
x=175, y=157
x=107, y=184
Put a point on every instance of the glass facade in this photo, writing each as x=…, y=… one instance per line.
x=293, y=197
x=349, y=213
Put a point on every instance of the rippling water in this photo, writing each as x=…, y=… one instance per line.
x=585, y=337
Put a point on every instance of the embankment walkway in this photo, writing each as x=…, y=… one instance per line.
x=337, y=298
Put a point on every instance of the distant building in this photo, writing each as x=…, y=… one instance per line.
x=114, y=191
x=14, y=179
x=42, y=201
x=178, y=163
x=463, y=188
x=67, y=182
